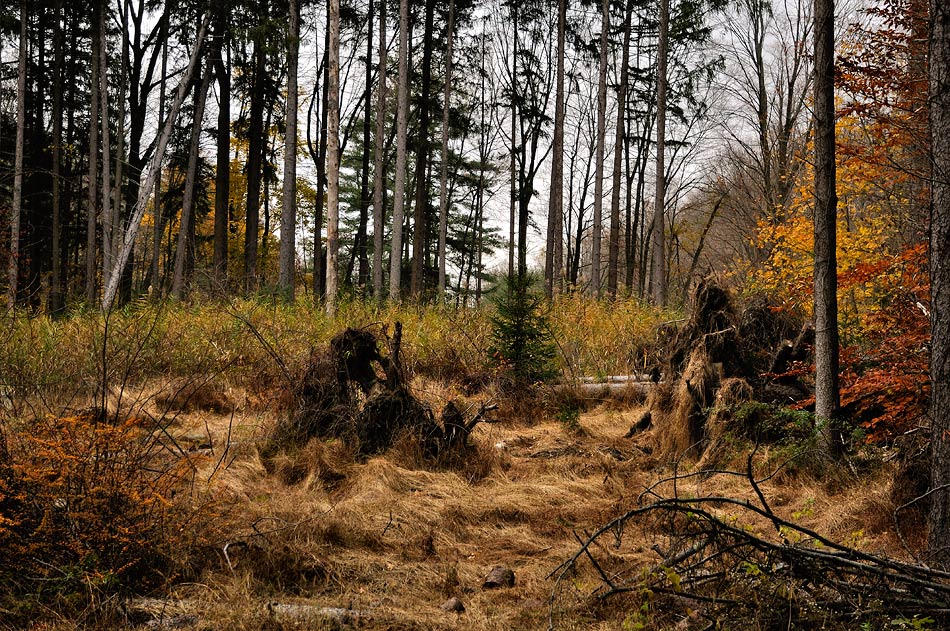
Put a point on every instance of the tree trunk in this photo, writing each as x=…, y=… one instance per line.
x=554, y=253
x=333, y=156
x=421, y=209
x=360, y=240
x=158, y=212
x=288, y=218
x=938, y=543
x=13, y=271
x=106, y=223
x=444, y=177
x=402, y=112
x=826, y=204
x=255, y=154
x=379, y=171
x=514, y=144
x=92, y=184
x=599, y=160
x=319, y=269
x=613, y=248
x=56, y=281
x=185, y=253
x=222, y=184
x=659, y=214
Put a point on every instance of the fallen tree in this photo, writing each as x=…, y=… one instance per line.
x=732, y=563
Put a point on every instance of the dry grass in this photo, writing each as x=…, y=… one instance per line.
x=388, y=540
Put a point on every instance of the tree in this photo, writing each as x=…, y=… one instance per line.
x=379, y=171
x=826, y=204
x=333, y=156
x=13, y=270
x=554, y=252
x=659, y=277
x=613, y=253
x=399, y=192
x=222, y=185
x=599, y=159
x=288, y=218
x=444, y=178
x=938, y=542
x=93, y=179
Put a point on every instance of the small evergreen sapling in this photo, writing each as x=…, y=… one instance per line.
x=522, y=344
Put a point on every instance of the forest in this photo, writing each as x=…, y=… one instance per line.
x=477, y=314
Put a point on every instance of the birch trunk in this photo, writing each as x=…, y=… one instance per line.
x=379, y=178
x=13, y=271
x=402, y=111
x=333, y=156
x=288, y=218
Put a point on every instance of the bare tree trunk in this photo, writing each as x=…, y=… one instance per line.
x=93, y=183
x=379, y=179
x=153, y=169
x=120, y=158
x=255, y=150
x=659, y=280
x=13, y=271
x=613, y=248
x=599, y=160
x=360, y=248
x=222, y=183
x=514, y=144
x=826, y=205
x=56, y=282
x=333, y=156
x=288, y=218
x=185, y=252
x=106, y=224
x=938, y=543
x=553, y=256
x=421, y=209
x=158, y=218
x=444, y=179
x=402, y=113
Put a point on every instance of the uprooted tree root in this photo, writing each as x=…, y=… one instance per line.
x=718, y=569
x=354, y=393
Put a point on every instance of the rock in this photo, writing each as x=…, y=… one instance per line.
x=453, y=604
x=500, y=576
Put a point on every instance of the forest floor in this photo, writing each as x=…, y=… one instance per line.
x=327, y=541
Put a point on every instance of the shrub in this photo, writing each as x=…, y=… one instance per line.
x=522, y=344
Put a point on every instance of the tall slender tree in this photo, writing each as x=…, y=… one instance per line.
x=333, y=156
x=92, y=185
x=659, y=279
x=379, y=171
x=554, y=252
x=444, y=178
x=938, y=542
x=597, y=229
x=288, y=218
x=399, y=186
x=613, y=247
x=826, y=215
x=13, y=269
x=222, y=178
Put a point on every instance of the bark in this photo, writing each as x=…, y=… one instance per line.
x=395, y=259
x=421, y=209
x=333, y=156
x=939, y=536
x=599, y=160
x=185, y=252
x=106, y=223
x=319, y=269
x=444, y=177
x=288, y=218
x=554, y=254
x=13, y=270
x=56, y=282
x=158, y=213
x=360, y=241
x=613, y=251
x=222, y=185
x=379, y=178
x=659, y=215
x=255, y=154
x=93, y=177
x=153, y=169
x=826, y=203
x=514, y=144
